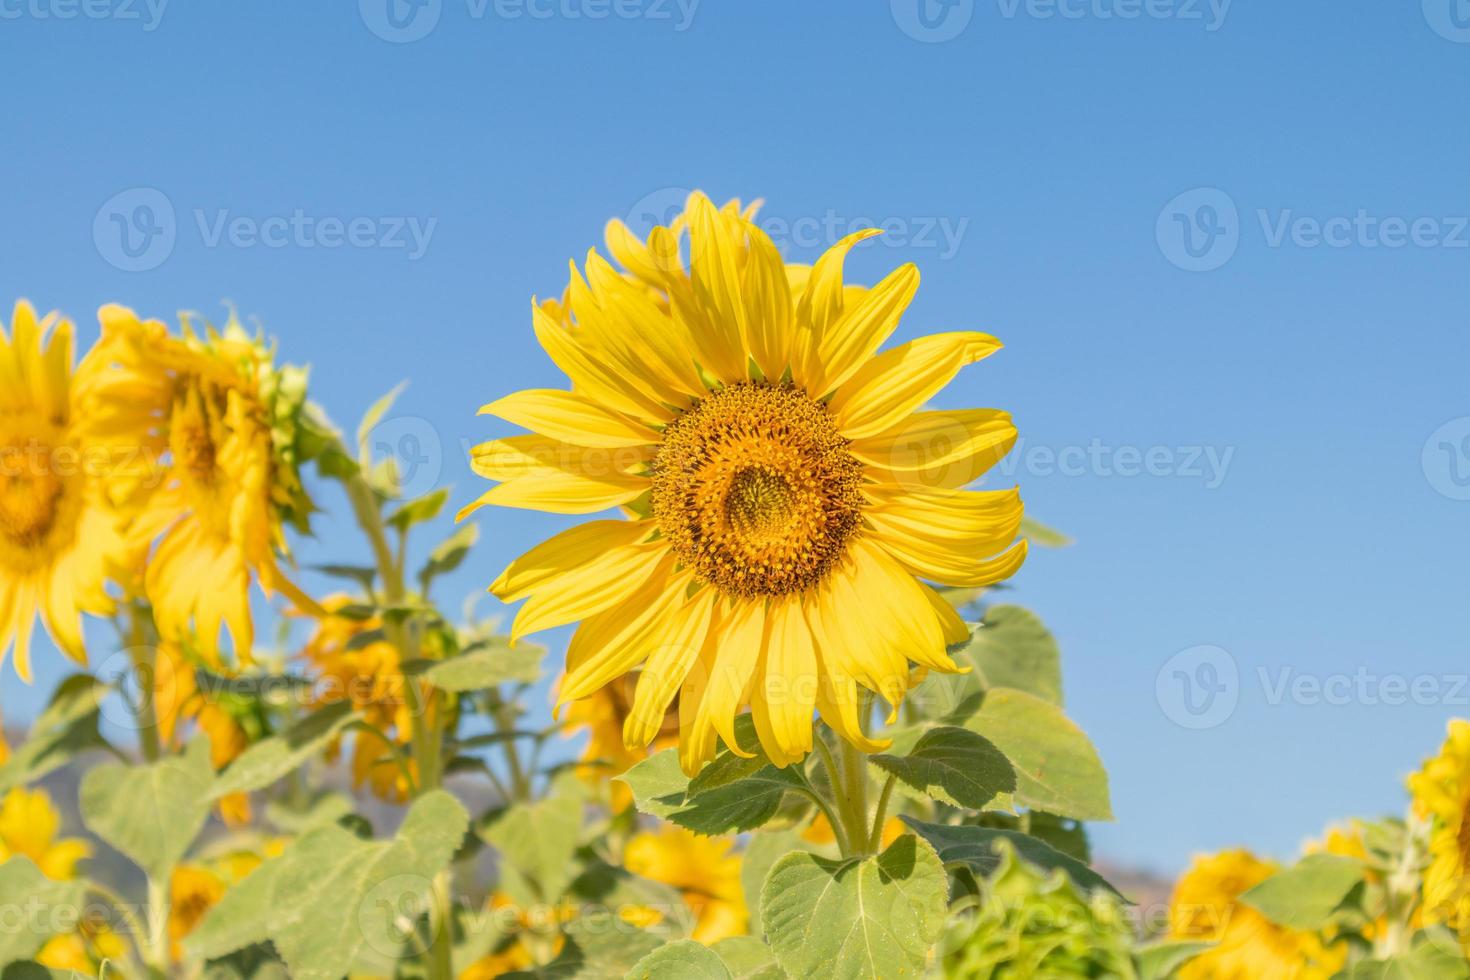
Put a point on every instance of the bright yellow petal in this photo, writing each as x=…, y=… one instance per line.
x=741, y=632
x=673, y=651
x=591, y=374
x=939, y=449
x=588, y=589
x=945, y=535
x=610, y=644
x=847, y=344
x=715, y=276
x=896, y=382
x=559, y=492
x=790, y=680
x=819, y=305
x=769, y=298
x=570, y=417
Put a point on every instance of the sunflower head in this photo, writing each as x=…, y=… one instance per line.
x=1441, y=794
x=216, y=435
x=787, y=497
x=59, y=541
x=30, y=826
x=1205, y=907
x=705, y=870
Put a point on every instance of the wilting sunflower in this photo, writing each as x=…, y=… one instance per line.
x=1441, y=791
x=58, y=539
x=214, y=425
x=1205, y=907
x=786, y=496
x=705, y=870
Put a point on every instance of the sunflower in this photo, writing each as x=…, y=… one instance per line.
x=1441, y=794
x=353, y=667
x=58, y=538
x=177, y=699
x=29, y=825
x=214, y=425
x=786, y=496
x=1205, y=907
x=703, y=869
x=195, y=887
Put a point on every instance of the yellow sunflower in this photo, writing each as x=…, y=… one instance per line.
x=603, y=714
x=29, y=825
x=369, y=674
x=1205, y=907
x=195, y=887
x=58, y=538
x=1441, y=792
x=705, y=870
x=786, y=495
x=177, y=699
x=213, y=423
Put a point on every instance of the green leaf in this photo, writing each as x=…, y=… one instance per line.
x=856, y=918
x=449, y=553
x=1435, y=955
x=489, y=666
x=66, y=728
x=747, y=958
x=1304, y=895
x=1038, y=533
x=1159, y=961
x=953, y=765
x=420, y=509
x=538, y=839
x=150, y=813
x=975, y=847
x=1013, y=649
x=740, y=799
x=1057, y=769
x=334, y=900
x=33, y=908
x=270, y=759
x=684, y=959
x=762, y=851
x=373, y=416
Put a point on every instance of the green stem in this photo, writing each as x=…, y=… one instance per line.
x=876, y=838
x=145, y=667
x=855, y=794
x=1402, y=887
x=157, y=937
x=135, y=928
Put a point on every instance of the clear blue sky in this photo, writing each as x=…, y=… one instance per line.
x=1050, y=150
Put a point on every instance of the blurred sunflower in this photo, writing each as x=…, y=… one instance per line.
x=1441, y=793
x=603, y=714
x=704, y=870
x=215, y=425
x=787, y=496
x=197, y=886
x=58, y=538
x=353, y=667
x=29, y=825
x=177, y=699
x=1205, y=907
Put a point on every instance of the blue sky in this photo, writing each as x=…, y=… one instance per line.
x=1226, y=247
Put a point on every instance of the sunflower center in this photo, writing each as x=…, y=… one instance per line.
x=755, y=489
x=37, y=470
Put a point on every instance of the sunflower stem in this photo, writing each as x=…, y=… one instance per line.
x=876, y=838
x=158, y=909
x=855, y=794
x=145, y=667
x=1402, y=886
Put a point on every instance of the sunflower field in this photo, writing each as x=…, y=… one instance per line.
x=799, y=729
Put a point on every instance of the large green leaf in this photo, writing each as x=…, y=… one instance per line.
x=66, y=727
x=333, y=900
x=33, y=908
x=856, y=918
x=953, y=765
x=488, y=666
x=741, y=797
x=976, y=847
x=1304, y=895
x=1013, y=649
x=1057, y=769
x=762, y=851
x=270, y=759
x=684, y=959
x=150, y=813
x=538, y=839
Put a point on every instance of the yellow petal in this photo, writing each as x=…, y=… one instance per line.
x=741, y=632
x=559, y=492
x=899, y=609
x=847, y=344
x=769, y=299
x=563, y=553
x=672, y=652
x=586, y=590
x=570, y=417
x=790, y=682
x=533, y=454
x=608, y=645
x=820, y=304
x=939, y=449
x=715, y=276
x=591, y=374
x=896, y=382
x=944, y=535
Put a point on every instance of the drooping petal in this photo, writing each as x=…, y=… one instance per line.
x=673, y=652
x=790, y=682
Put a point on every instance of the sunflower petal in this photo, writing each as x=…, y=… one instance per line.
x=570, y=417
x=564, y=552
x=898, y=381
x=847, y=343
